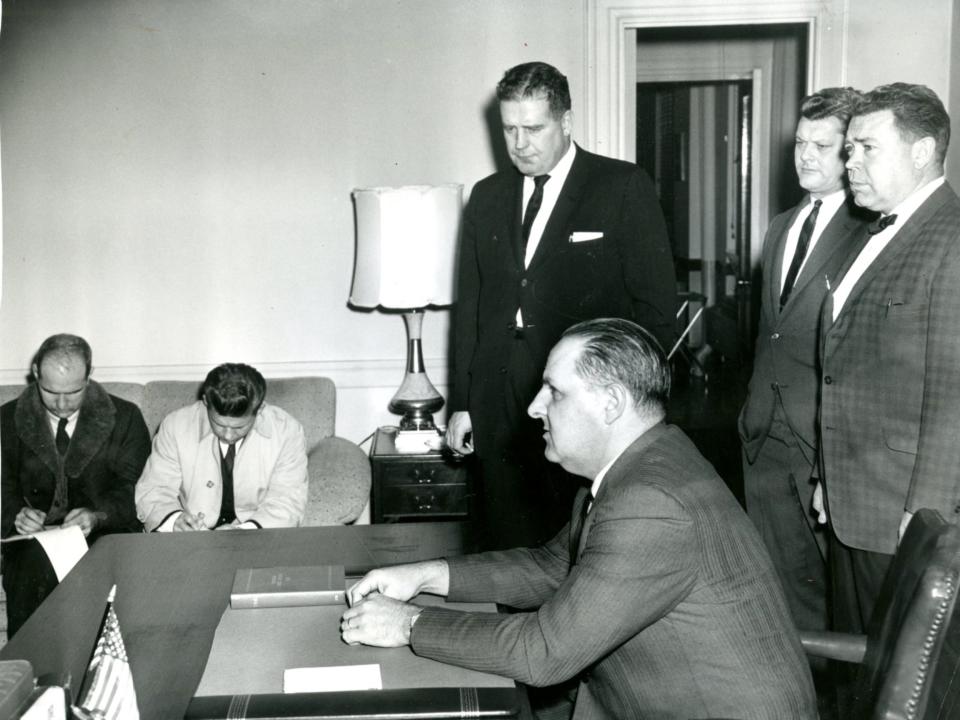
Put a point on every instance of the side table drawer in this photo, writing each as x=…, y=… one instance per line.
x=419, y=473
x=423, y=500
x=417, y=487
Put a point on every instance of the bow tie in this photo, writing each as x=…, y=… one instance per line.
x=881, y=224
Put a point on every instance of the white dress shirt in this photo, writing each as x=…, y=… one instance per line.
x=828, y=208
x=71, y=422
x=878, y=242
x=551, y=191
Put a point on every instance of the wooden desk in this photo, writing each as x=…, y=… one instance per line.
x=173, y=588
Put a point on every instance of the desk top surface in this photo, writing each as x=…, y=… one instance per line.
x=172, y=590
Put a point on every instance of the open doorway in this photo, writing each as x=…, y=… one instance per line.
x=693, y=138
x=715, y=114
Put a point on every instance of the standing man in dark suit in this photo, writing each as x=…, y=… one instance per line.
x=564, y=236
x=802, y=252
x=658, y=597
x=71, y=456
x=890, y=388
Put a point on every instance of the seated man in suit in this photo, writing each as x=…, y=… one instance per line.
x=227, y=461
x=659, y=596
x=71, y=454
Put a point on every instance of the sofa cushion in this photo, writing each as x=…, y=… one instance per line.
x=132, y=392
x=162, y=397
x=311, y=400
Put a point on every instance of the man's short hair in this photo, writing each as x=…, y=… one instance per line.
x=917, y=113
x=838, y=102
x=64, y=346
x=534, y=80
x=619, y=351
x=234, y=390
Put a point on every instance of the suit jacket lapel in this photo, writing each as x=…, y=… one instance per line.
x=776, y=262
x=513, y=198
x=899, y=244
x=832, y=240
x=567, y=201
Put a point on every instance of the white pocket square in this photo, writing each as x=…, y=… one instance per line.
x=584, y=236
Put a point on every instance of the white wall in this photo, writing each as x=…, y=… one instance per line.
x=916, y=42
x=177, y=175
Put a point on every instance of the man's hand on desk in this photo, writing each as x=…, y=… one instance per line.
x=29, y=521
x=378, y=620
x=458, y=426
x=402, y=582
x=85, y=519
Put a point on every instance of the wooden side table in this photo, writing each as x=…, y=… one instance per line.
x=416, y=486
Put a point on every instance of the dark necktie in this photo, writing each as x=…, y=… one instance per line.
x=533, y=206
x=63, y=440
x=881, y=224
x=576, y=532
x=227, y=514
x=803, y=242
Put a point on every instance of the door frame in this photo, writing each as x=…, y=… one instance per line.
x=610, y=65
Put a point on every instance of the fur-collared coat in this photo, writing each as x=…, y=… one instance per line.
x=107, y=452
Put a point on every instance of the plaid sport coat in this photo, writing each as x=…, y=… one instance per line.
x=890, y=383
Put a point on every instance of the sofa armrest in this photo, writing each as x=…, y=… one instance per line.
x=339, y=482
x=835, y=646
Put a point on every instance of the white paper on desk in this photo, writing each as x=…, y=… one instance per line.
x=332, y=679
x=64, y=547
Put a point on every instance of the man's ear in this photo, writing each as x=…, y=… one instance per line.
x=923, y=152
x=35, y=371
x=566, y=122
x=617, y=399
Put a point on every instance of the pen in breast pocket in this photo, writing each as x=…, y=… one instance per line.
x=826, y=279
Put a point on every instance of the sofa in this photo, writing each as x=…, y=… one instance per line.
x=339, y=471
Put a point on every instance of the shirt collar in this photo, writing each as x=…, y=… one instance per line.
x=830, y=203
x=560, y=171
x=55, y=419
x=909, y=206
x=595, y=488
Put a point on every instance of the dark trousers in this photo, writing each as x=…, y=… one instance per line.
x=778, y=492
x=856, y=577
x=28, y=578
x=523, y=498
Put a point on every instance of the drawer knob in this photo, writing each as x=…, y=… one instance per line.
x=425, y=504
x=424, y=476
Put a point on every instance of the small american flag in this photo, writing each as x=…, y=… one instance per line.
x=110, y=694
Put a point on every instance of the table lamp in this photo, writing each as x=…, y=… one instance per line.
x=406, y=245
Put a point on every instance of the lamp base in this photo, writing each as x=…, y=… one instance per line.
x=416, y=399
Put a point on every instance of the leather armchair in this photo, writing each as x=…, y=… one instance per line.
x=910, y=659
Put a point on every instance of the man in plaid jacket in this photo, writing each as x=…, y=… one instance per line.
x=890, y=347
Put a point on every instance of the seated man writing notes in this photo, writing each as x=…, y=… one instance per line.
x=227, y=461
x=70, y=454
x=658, y=596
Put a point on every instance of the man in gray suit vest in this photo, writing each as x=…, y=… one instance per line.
x=802, y=253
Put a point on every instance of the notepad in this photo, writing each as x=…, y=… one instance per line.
x=332, y=679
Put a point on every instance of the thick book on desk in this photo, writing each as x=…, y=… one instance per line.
x=288, y=586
